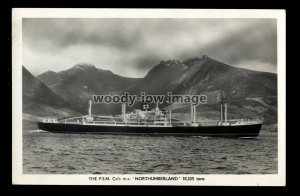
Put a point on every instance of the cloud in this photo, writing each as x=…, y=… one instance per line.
x=130, y=47
x=254, y=42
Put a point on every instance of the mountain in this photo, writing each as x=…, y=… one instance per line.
x=34, y=91
x=205, y=74
x=250, y=93
x=79, y=83
x=40, y=101
x=48, y=77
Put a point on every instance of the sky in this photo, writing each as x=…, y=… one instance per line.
x=131, y=47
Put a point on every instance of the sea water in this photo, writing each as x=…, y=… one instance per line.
x=58, y=153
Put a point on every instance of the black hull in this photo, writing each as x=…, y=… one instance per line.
x=211, y=131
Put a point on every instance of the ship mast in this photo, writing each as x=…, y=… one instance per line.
x=193, y=114
x=89, y=118
x=124, y=112
x=170, y=116
x=90, y=108
x=194, y=110
x=224, y=109
x=221, y=112
x=156, y=112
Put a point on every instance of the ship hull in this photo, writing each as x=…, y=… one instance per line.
x=210, y=131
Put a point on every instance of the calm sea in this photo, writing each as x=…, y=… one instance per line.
x=52, y=153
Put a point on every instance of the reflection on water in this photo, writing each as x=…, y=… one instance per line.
x=45, y=153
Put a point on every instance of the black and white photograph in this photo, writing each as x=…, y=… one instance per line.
x=149, y=97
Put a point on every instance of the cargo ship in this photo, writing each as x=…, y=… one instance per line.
x=153, y=122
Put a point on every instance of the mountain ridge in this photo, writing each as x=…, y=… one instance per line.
x=192, y=76
x=38, y=99
x=78, y=83
x=205, y=74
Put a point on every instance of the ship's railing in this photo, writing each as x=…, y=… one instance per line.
x=235, y=120
x=111, y=120
x=163, y=123
x=73, y=122
x=218, y=122
x=48, y=120
x=65, y=120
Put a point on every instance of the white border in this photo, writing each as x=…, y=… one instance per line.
x=214, y=180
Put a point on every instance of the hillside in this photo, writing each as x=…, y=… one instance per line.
x=79, y=83
x=250, y=93
x=40, y=101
